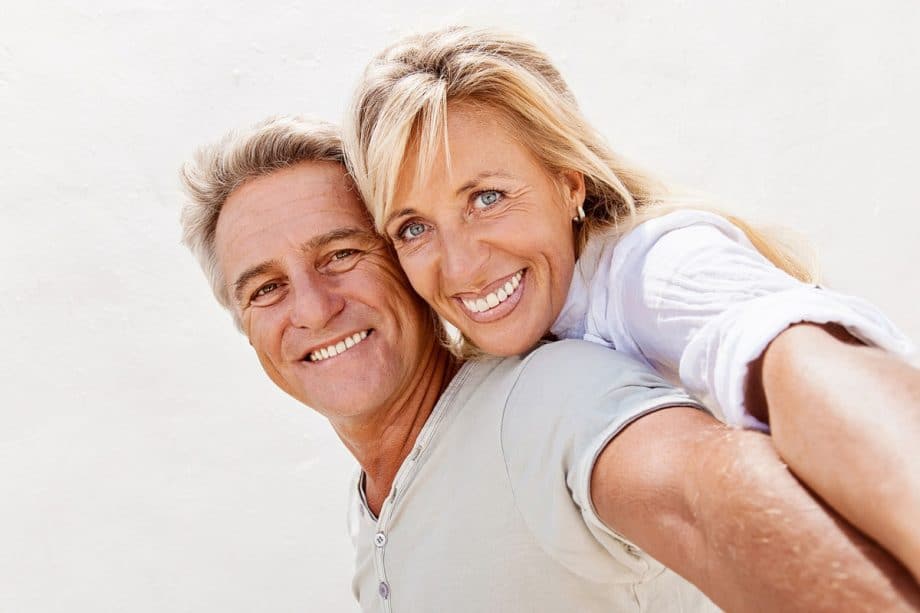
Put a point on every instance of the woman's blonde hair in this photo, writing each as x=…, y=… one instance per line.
x=401, y=107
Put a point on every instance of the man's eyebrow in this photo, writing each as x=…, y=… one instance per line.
x=316, y=242
x=248, y=275
x=338, y=234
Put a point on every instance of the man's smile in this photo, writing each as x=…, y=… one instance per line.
x=337, y=348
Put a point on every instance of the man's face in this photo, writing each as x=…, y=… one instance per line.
x=322, y=300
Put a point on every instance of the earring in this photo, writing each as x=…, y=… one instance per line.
x=580, y=217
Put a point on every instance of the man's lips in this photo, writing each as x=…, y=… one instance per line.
x=337, y=347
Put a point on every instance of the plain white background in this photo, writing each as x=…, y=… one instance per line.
x=146, y=464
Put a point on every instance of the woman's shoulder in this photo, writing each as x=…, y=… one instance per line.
x=685, y=229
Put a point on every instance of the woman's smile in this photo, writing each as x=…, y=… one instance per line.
x=487, y=239
x=497, y=303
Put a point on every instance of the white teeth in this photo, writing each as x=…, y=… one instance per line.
x=341, y=347
x=493, y=299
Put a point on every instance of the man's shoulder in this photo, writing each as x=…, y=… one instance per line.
x=575, y=389
x=563, y=381
x=585, y=365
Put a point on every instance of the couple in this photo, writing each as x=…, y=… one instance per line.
x=563, y=476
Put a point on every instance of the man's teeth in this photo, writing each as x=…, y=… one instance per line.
x=495, y=298
x=341, y=347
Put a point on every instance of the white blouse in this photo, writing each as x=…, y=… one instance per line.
x=688, y=294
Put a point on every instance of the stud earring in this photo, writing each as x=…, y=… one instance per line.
x=580, y=217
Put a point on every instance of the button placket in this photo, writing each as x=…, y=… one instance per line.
x=401, y=482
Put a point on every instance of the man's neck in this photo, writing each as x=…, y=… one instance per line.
x=381, y=442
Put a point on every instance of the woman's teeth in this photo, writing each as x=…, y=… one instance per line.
x=341, y=347
x=494, y=299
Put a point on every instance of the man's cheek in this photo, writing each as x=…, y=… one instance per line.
x=245, y=319
x=259, y=336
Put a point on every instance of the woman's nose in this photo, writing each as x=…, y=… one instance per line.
x=463, y=259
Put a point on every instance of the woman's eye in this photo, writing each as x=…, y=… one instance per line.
x=411, y=231
x=484, y=200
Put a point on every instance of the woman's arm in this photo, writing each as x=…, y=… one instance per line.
x=718, y=506
x=696, y=300
x=690, y=295
x=846, y=417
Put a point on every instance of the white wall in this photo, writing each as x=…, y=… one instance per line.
x=147, y=465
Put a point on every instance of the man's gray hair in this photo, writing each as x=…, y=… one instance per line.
x=219, y=169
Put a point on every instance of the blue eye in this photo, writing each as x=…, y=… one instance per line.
x=411, y=231
x=484, y=200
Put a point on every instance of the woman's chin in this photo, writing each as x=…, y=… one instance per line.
x=504, y=344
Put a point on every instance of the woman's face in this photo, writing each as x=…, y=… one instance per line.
x=487, y=242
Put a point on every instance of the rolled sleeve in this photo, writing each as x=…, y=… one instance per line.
x=718, y=357
x=691, y=296
x=571, y=399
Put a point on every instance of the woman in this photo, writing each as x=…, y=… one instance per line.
x=515, y=221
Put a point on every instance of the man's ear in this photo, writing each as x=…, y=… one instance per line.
x=572, y=184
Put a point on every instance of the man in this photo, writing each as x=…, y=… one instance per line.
x=557, y=481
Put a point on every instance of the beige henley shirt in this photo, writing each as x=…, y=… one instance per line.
x=491, y=511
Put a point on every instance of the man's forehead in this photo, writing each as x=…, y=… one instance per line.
x=289, y=206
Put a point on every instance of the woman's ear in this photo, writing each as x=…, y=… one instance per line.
x=573, y=189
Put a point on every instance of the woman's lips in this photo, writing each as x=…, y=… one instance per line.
x=495, y=304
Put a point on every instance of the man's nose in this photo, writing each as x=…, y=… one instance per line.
x=463, y=258
x=316, y=302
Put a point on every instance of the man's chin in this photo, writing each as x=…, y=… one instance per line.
x=349, y=393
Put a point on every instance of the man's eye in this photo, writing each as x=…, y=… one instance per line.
x=342, y=254
x=412, y=231
x=487, y=198
x=340, y=260
x=264, y=290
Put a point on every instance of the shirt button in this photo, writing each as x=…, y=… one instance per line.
x=380, y=539
x=384, y=590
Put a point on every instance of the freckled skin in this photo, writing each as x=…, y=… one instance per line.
x=317, y=299
x=468, y=243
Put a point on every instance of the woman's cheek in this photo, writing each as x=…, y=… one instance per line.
x=419, y=273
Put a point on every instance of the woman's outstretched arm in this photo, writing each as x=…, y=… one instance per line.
x=846, y=418
x=719, y=507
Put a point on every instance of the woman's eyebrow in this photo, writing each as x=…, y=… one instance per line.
x=399, y=213
x=488, y=174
